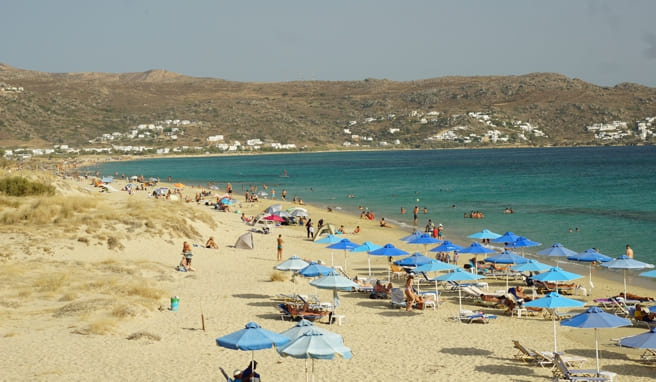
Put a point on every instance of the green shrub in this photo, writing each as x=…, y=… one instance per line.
x=19, y=186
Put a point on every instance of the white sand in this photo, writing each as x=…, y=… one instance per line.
x=232, y=287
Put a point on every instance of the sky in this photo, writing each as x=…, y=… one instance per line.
x=598, y=41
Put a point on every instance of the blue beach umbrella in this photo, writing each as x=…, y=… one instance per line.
x=367, y=246
x=595, y=318
x=315, y=345
x=624, y=262
x=336, y=282
x=556, y=274
x=303, y=326
x=507, y=237
x=557, y=249
x=649, y=274
x=424, y=239
x=477, y=249
x=412, y=236
x=434, y=266
x=506, y=257
x=553, y=300
x=388, y=250
x=344, y=244
x=484, y=234
x=591, y=256
x=252, y=337
x=641, y=341
x=292, y=264
x=413, y=260
x=531, y=266
x=522, y=242
x=446, y=246
x=314, y=270
x=458, y=274
x=330, y=239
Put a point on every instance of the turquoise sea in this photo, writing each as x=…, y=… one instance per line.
x=606, y=195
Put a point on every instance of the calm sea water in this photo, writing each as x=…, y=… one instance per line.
x=607, y=193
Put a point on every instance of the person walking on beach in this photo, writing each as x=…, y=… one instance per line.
x=280, y=242
x=308, y=225
x=629, y=251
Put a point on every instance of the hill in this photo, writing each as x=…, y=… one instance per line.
x=40, y=109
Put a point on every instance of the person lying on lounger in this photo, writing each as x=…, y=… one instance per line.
x=631, y=296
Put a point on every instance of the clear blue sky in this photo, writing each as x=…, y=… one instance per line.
x=603, y=42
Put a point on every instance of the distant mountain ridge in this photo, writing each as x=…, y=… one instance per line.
x=76, y=108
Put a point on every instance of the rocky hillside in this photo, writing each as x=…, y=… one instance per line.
x=44, y=109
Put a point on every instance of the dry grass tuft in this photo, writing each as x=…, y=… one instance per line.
x=51, y=282
x=278, y=276
x=144, y=335
x=123, y=311
x=78, y=308
x=102, y=326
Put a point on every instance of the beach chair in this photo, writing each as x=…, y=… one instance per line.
x=555, y=314
x=525, y=354
x=398, y=298
x=469, y=317
x=562, y=372
x=397, y=271
x=649, y=356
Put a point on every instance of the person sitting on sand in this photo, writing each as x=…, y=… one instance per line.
x=249, y=374
x=381, y=291
x=642, y=313
x=340, y=230
x=211, y=243
x=357, y=229
x=383, y=223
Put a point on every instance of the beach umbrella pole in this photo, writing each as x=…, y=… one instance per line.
x=369, y=263
x=553, y=319
x=597, y=349
x=625, y=298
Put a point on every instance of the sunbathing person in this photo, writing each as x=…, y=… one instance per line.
x=631, y=296
x=383, y=223
x=381, y=291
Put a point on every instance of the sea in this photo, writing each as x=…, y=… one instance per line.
x=581, y=197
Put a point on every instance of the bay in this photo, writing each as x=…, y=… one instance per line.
x=605, y=195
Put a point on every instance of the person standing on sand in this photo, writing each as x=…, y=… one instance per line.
x=280, y=242
x=415, y=212
x=629, y=251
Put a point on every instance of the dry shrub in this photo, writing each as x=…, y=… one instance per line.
x=51, y=282
x=83, y=240
x=123, y=311
x=102, y=326
x=10, y=334
x=278, y=276
x=145, y=335
x=80, y=308
x=114, y=243
x=70, y=296
x=145, y=291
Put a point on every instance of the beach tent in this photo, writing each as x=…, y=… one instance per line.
x=328, y=229
x=245, y=241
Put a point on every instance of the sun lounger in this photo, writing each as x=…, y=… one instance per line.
x=469, y=317
x=562, y=372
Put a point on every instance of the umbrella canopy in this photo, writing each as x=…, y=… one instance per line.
x=299, y=212
x=484, y=234
x=179, y=185
x=304, y=326
x=507, y=237
x=458, y=274
x=446, y=246
x=531, y=266
x=315, y=344
x=641, y=341
x=556, y=274
x=252, y=337
x=294, y=263
x=624, y=262
x=273, y=208
x=557, y=249
x=434, y=266
x=506, y=257
x=412, y=236
x=335, y=282
x=313, y=270
x=282, y=214
x=477, y=248
x=330, y=239
x=591, y=256
x=388, y=250
x=274, y=218
x=344, y=244
x=649, y=274
x=424, y=239
x=521, y=242
x=595, y=318
x=413, y=260
x=367, y=246
x=553, y=300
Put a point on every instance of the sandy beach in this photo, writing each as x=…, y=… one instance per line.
x=89, y=276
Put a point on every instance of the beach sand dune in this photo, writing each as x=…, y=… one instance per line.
x=86, y=296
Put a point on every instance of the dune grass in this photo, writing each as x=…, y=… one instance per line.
x=278, y=276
